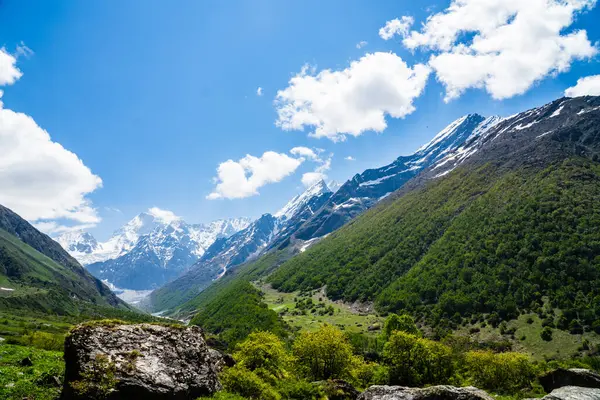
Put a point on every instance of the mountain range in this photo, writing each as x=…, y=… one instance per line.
x=316, y=213
x=245, y=245
x=149, y=250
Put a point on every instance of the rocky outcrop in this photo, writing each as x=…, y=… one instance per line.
x=151, y=362
x=569, y=377
x=431, y=393
x=573, y=393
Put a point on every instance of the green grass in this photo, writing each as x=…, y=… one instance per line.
x=344, y=317
x=29, y=382
x=563, y=345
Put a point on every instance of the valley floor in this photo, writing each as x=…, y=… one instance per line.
x=293, y=309
x=523, y=334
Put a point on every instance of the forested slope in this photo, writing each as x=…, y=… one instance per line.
x=472, y=242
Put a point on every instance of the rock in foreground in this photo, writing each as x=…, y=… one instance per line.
x=431, y=393
x=569, y=377
x=573, y=393
x=138, y=362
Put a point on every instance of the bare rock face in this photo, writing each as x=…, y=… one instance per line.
x=573, y=393
x=145, y=361
x=569, y=377
x=441, y=392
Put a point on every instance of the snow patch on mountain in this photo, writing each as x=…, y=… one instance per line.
x=299, y=201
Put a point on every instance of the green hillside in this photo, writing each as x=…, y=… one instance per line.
x=478, y=241
x=34, y=282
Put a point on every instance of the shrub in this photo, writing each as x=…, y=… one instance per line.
x=265, y=351
x=246, y=383
x=403, y=323
x=44, y=341
x=414, y=361
x=324, y=354
x=299, y=390
x=503, y=372
x=546, y=334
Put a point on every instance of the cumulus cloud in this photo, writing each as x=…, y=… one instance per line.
x=259, y=91
x=165, y=216
x=40, y=179
x=353, y=100
x=310, y=178
x=588, y=86
x=361, y=44
x=350, y=158
x=512, y=43
x=9, y=73
x=305, y=152
x=396, y=27
x=243, y=178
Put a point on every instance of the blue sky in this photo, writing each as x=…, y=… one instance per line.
x=153, y=95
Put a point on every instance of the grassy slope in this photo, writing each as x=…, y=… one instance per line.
x=29, y=382
x=345, y=316
x=236, y=312
x=43, y=289
x=472, y=242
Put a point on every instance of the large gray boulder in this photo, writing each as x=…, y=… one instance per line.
x=569, y=377
x=573, y=393
x=441, y=392
x=151, y=362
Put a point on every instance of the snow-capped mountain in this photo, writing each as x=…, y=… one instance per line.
x=552, y=127
x=367, y=188
x=247, y=244
x=148, y=251
x=78, y=242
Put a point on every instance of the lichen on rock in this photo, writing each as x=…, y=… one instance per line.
x=120, y=361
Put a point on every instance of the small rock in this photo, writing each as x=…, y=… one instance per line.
x=441, y=392
x=26, y=362
x=569, y=377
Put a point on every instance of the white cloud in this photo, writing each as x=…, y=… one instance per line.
x=165, y=216
x=361, y=44
x=259, y=91
x=513, y=43
x=351, y=101
x=304, y=152
x=9, y=73
x=350, y=158
x=243, y=178
x=53, y=228
x=310, y=178
x=396, y=27
x=40, y=179
x=588, y=86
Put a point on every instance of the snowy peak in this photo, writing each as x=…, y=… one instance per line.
x=78, y=242
x=159, y=230
x=299, y=201
x=520, y=131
